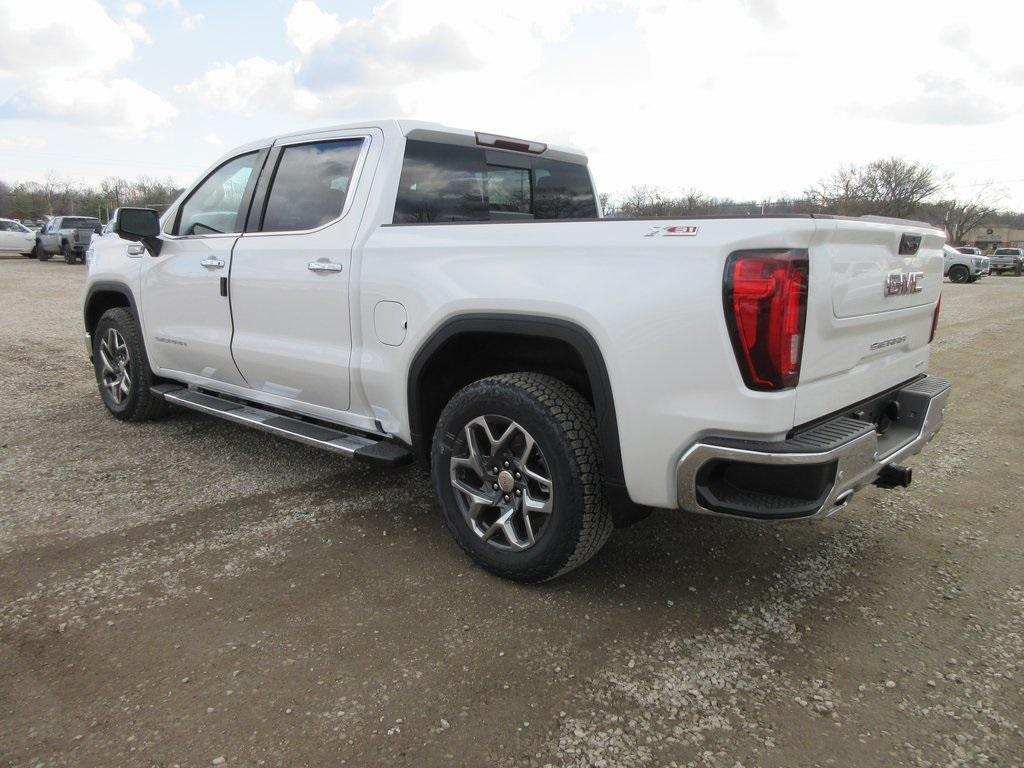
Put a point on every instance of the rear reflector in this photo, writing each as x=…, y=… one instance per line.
x=506, y=142
x=766, y=311
x=935, y=319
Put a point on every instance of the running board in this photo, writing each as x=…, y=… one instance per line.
x=335, y=439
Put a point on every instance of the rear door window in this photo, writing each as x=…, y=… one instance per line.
x=311, y=185
x=452, y=183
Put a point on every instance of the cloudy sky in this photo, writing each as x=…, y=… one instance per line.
x=742, y=98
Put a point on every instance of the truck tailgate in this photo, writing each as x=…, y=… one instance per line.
x=873, y=286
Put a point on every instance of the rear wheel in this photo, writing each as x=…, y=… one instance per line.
x=959, y=273
x=69, y=255
x=516, y=464
x=122, y=369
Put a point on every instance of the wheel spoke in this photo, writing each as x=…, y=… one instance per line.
x=497, y=525
x=108, y=367
x=475, y=495
x=527, y=524
x=539, y=506
x=497, y=443
x=475, y=460
x=536, y=476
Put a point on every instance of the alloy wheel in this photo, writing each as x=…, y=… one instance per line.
x=116, y=368
x=502, y=483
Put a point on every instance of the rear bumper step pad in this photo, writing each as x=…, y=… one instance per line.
x=336, y=439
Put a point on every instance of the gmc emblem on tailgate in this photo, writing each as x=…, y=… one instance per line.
x=903, y=283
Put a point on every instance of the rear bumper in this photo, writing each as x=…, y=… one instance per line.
x=816, y=471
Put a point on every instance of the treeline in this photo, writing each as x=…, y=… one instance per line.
x=887, y=187
x=55, y=196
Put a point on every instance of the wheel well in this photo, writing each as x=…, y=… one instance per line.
x=467, y=357
x=474, y=347
x=99, y=302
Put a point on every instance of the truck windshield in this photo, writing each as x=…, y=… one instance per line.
x=446, y=182
x=72, y=223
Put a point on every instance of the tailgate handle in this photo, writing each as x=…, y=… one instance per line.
x=909, y=245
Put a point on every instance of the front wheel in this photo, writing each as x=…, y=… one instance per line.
x=122, y=369
x=959, y=274
x=41, y=253
x=516, y=464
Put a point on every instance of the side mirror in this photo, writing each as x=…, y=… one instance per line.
x=141, y=225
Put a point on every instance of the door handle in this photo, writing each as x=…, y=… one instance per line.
x=323, y=266
x=212, y=263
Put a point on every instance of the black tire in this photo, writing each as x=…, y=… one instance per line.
x=41, y=253
x=958, y=273
x=564, y=428
x=69, y=255
x=139, y=404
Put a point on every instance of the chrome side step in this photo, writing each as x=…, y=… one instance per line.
x=335, y=439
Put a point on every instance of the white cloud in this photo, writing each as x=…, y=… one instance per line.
x=82, y=88
x=213, y=139
x=308, y=26
x=191, y=21
x=250, y=86
x=744, y=98
x=22, y=142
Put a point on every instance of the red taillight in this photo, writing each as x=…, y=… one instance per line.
x=74, y=235
x=935, y=319
x=766, y=311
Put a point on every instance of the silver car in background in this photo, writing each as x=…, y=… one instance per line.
x=961, y=267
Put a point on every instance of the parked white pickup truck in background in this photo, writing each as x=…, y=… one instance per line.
x=398, y=290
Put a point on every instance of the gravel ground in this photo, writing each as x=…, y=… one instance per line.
x=192, y=593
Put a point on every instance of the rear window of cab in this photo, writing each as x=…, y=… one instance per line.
x=452, y=183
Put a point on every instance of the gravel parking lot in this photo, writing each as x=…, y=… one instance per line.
x=191, y=593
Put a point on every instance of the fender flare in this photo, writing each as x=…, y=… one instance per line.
x=529, y=325
x=109, y=286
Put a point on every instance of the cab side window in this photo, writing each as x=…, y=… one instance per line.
x=310, y=185
x=215, y=206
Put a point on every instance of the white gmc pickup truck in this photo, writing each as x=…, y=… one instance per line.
x=397, y=291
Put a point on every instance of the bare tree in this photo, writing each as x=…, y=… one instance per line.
x=888, y=187
x=961, y=215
